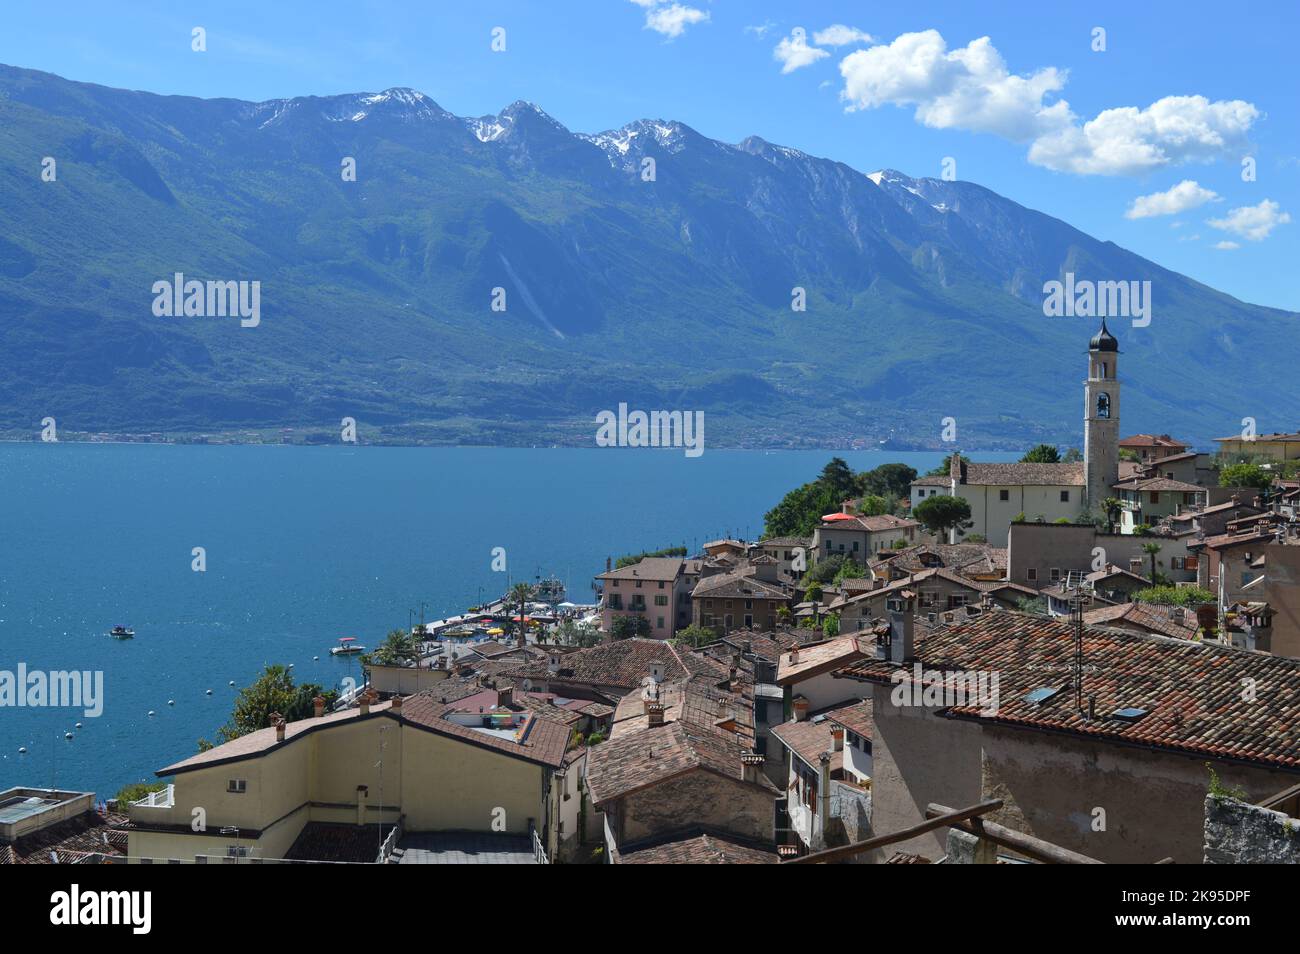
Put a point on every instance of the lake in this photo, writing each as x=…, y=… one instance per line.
x=304, y=545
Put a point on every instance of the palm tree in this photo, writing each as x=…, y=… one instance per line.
x=520, y=594
x=1151, y=549
x=1111, y=507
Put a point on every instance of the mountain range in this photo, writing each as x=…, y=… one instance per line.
x=924, y=297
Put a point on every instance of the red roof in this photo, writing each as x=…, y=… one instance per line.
x=837, y=516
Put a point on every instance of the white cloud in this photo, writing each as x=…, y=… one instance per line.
x=970, y=88
x=1226, y=246
x=670, y=19
x=1131, y=141
x=838, y=34
x=794, y=53
x=1252, y=222
x=1186, y=195
x=761, y=30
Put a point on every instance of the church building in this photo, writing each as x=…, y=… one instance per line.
x=998, y=494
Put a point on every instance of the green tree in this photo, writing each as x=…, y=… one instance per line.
x=801, y=510
x=1174, y=595
x=1151, y=549
x=887, y=480
x=519, y=595
x=831, y=625
x=625, y=627
x=838, y=477
x=1245, y=475
x=697, y=636
x=273, y=691
x=1111, y=507
x=942, y=513
x=570, y=633
x=1072, y=456
x=945, y=468
x=873, y=505
x=1042, y=454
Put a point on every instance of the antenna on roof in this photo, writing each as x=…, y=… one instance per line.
x=1079, y=592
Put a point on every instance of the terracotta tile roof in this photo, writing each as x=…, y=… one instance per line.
x=640, y=759
x=544, y=741
x=820, y=658
x=73, y=838
x=1190, y=691
x=1159, y=484
x=872, y=524
x=856, y=718
x=1151, y=440
x=1275, y=438
x=807, y=740
x=700, y=849
x=786, y=542
x=650, y=568
x=737, y=584
x=263, y=740
x=1149, y=618
x=620, y=664
x=1013, y=475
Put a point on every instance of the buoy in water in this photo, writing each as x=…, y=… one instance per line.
x=150, y=713
x=22, y=750
x=171, y=702
x=68, y=736
x=232, y=682
x=208, y=693
x=77, y=726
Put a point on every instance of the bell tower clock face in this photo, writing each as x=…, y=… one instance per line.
x=1103, y=406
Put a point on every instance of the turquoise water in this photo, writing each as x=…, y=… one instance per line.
x=304, y=545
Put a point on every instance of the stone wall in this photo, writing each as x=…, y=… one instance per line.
x=1240, y=834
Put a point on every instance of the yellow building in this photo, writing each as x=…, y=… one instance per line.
x=418, y=763
x=1277, y=446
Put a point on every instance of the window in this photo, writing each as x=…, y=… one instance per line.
x=1189, y=499
x=638, y=584
x=661, y=599
x=855, y=546
x=237, y=785
x=729, y=620
x=928, y=597
x=1056, y=574
x=708, y=604
x=956, y=600
x=1189, y=563
x=1103, y=406
x=661, y=622
x=615, y=601
x=749, y=621
x=1004, y=495
x=1155, y=496
x=1031, y=574
x=749, y=604
x=1065, y=496
x=661, y=584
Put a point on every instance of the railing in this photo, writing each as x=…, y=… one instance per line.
x=539, y=852
x=390, y=843
x=163, y=798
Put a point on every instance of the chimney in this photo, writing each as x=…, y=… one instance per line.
x=800, y=709
x=1178, y=614
x=750, y=763
x=553, y=663
x=396, y=704
x=318, y=706
x=655, y=710
x=505, y=697
x=657, y=671
x=364, y=701
x=1135, y=565
x=277, y=720
x=837, y=739
x=902, y=635
x=609, y=564
x=794, y=655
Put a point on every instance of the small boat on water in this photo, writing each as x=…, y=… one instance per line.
x=347, y=646
x=122, y=632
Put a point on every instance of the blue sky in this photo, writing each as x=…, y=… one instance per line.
x=1182, y=92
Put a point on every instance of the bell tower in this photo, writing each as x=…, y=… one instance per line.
x=1101, y=419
